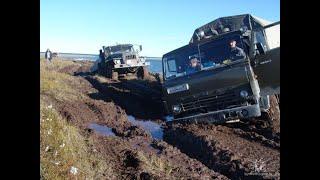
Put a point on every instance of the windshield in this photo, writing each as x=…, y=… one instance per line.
x=193, y=58
x=119, y=49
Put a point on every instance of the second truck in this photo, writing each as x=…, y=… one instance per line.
x=121, y=60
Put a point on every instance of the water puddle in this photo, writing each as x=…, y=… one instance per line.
x=155, y=129
x=103, y=130
x=168, y=118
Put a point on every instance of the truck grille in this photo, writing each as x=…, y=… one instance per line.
x=131, y=57
x=213, y=102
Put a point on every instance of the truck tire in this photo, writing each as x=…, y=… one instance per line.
x=142, y=73
x=271, y=118
x=99, y=69
x=145, y=72
x=114, y=75
x=108, y=71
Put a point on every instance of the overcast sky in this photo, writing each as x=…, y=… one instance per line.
x=84, y=26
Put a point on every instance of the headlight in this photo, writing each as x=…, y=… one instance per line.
x=176, y=108
x=244, y=94
x=179, y=88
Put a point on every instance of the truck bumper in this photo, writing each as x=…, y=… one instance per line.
x=116, y=66
x=225, y=115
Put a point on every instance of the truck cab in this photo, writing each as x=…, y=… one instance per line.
x=221, y=87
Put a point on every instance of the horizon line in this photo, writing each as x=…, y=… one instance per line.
x=97, y=54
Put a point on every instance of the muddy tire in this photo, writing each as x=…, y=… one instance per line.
x=274, y=113
x=142, y=73
x=108, y=72
x=145, y=72
x=114, y=75
x=100, y=69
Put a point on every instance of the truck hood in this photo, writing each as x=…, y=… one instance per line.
x=207, y=82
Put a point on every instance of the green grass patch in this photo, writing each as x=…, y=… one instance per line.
x=63, y=147
x=56, y=84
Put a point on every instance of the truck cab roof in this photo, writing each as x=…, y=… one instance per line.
x=227, y=24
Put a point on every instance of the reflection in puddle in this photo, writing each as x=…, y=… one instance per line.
x=103, y=130
x=155, y=129
x=168, y=118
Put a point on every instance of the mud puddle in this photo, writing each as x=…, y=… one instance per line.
x=153, y=128
x=102, y=130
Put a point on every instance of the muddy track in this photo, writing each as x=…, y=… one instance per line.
x=220, y=149
x=141, y=107
x=265, y=129
x=132, y=153
x=187, y=151
x=257, y=136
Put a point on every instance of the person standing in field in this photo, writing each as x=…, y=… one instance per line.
x=48, y=55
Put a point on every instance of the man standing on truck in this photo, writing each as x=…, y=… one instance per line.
x=236, y=52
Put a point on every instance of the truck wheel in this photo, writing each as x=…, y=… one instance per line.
x=145, y=72
x=108, y=72
x=99, y=69
x=142, y=73
x=114, y=75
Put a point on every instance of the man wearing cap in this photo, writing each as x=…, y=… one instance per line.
x=235, y=52
x=193, y=66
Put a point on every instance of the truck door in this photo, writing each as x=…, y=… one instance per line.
x=267, y=60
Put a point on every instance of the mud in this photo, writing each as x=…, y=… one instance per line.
x=224, y=151
x=141, y=107
x=142, y=146
x=133, y=150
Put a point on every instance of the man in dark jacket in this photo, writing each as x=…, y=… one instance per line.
x=102, y=64
x=193, y=66
x=48, y=55
x=236, y=52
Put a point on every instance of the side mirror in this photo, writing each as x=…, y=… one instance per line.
x=260, y=48
x=140, y=47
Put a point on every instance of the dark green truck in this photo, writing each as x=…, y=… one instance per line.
x=223, y=88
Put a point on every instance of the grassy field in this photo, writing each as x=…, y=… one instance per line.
x=64, y=151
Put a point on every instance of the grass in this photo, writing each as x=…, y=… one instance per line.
x=155, y=164
x=63, y=147
x=56, y=84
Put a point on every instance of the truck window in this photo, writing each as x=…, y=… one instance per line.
x=260, y=38
x=191, y=59
x=215, y=53
x=172, y=65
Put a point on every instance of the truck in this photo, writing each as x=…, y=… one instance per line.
x=121, y=60
x=223, y=88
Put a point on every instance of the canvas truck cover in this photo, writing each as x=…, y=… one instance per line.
x=233, y=23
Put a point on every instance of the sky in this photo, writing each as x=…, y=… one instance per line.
x=160, y=26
